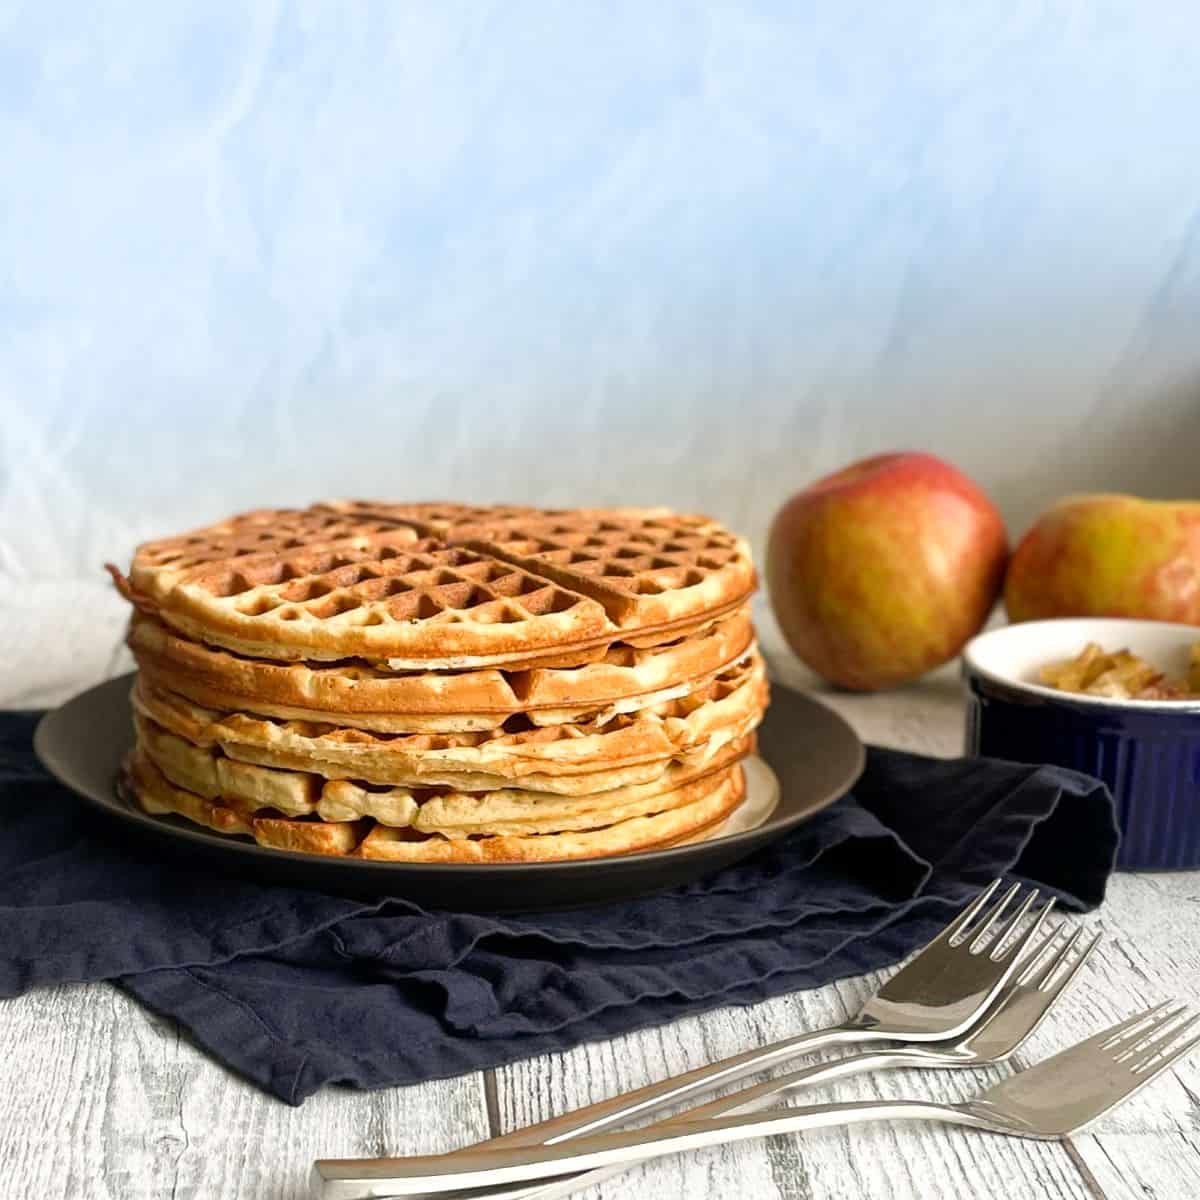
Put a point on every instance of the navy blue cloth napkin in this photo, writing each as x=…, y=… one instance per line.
x=295, y=989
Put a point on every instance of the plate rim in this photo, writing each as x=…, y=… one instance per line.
x=118, y=807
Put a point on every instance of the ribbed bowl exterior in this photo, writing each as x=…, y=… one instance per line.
x=1149, y=759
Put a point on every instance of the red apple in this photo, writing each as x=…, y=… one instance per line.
x=882, y=571
x=1109, y=556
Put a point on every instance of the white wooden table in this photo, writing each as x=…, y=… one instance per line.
x=100, y=1099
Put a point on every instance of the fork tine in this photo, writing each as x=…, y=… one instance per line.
x=981, y=934
x=1146, y=1051
x=1136, y=1039
x=1035, y=965
x=993, y=914
x=1122, y=1029
x=1064, y=980
x=1041, y=967
x=1155, y=1047
x=1175, y=1055
x=969, y=913
x=998, y=952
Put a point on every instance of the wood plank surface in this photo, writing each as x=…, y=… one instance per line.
x=100, y=1099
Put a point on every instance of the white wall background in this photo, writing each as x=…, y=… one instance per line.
x=257, y=253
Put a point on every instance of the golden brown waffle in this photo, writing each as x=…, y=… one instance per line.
x=325, y=584
x=706, y=804
x=727, y=708
x=650, y=832
x=445, y=682
x=624, y=678
x=250, y=789
x=518, y=815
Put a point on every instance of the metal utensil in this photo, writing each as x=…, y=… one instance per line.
x=938, y=994
x=1051, y=1099
x=935, y=995
x=1049, y=970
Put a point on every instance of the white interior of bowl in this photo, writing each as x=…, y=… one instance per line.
x=1016, y=653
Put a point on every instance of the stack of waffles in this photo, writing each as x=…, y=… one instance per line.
x=446, y=683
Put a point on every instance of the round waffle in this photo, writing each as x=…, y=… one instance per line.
x=622, y=678
x=624, y=837
x=700, y=806
x=727, y=708
x=251, y=788
x=426, y=586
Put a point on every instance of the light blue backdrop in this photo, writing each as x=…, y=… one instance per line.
x=692, y=253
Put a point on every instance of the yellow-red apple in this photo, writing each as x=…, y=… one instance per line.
x=1109, y=556
x=882, y=571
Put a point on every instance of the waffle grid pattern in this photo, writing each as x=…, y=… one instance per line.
x=328, y=585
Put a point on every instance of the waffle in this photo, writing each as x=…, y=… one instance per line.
x=623, y=678
x=250, y=788
x=444, y=682
x=426, y=586
x=727, y=708
x=703, y=806
x=625, y=837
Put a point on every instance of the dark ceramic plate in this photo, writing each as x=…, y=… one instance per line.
x=813, y=752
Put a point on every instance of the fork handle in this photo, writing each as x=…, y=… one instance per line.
x=429, y=1175
x=747, y=1100
x=656, y=1097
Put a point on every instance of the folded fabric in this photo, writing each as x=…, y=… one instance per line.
x=297, y=989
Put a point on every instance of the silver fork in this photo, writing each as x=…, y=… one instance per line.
x=936, y=995
x=1019, y=1009
x=1051, y=1099
x=1048, y=971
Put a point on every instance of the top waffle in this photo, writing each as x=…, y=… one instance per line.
x=440, y=585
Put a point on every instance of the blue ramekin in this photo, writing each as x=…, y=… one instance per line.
x=1147, y=751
